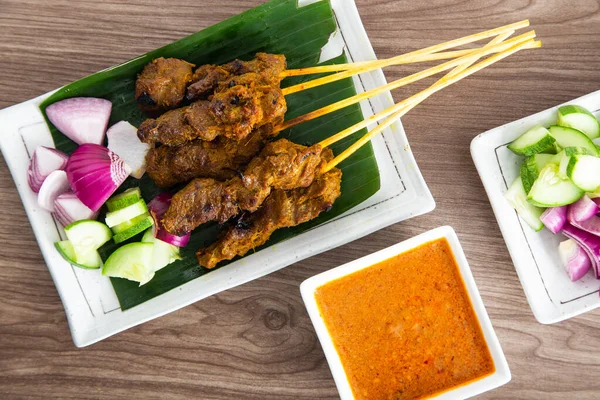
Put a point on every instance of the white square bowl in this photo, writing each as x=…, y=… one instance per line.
x=550, y=293
x=502, y=374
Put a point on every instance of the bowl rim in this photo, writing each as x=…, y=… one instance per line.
x=502, y=373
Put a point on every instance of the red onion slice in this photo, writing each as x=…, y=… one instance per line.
x=44, y=161
x=94, y=173
x=81, y=119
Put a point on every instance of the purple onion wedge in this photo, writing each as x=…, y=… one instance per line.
x=589, y=243
x=554, y=218
x=574, y=259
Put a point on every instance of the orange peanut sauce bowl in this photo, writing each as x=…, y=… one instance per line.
x=406, y=322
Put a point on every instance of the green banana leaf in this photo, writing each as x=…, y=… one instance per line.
x=278, y=26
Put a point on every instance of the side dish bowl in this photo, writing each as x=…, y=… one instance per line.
x=550, y=293
x=308, y=288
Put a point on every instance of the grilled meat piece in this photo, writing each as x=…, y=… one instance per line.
x=173, y=128
x=270, y=66
x=280, y=210
x=162, y=84
x=205, y=80
x=280, y=165
x=219, y=159
x=210, y=78
x=240, y=109
x=233, y=113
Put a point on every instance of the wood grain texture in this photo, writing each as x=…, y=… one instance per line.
x=256, y=341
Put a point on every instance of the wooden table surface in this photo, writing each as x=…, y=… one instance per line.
x=256, y=341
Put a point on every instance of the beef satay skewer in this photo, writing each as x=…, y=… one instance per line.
x=282, y=209
x=196, y=122
x=164, y=83
x=398, y=110
x=284, y=165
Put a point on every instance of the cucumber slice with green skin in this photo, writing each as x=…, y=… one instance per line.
x=552, y=190
x=65, y=249
x=122, y=227
x=531, y=167
x=125, y=199
x=572, y=151
x=164, y=253
x=569, y=137
x=584, y=171
x=565, y=156
x=535, y=140
x=579, y=118
x=517, y=198
x=554, y=149
x=139, y=227
x=114, y=218
x=87, y=236
x=526, y=179
x=132, y=261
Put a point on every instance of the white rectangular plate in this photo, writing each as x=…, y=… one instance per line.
x=89, y=299
x=502, y=374
x=551, y=294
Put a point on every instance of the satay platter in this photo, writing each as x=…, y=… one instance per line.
x=208, y=163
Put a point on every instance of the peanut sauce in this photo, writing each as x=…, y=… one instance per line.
x=405, y=328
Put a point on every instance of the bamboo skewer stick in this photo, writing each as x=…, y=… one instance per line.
x=497, y=47
x=350, y=66
x=403, y=107
x=466, y=62
x=406, y=58
x=461, y=67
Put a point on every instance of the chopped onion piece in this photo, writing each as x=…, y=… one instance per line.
x=55, y=184
x=589, y=243
x=81, y=119
x=554, y=218
x=574, y=259
x=583, y=209
x=94, y=173
x=123, y=140
x=68, y=209
x=44, y=161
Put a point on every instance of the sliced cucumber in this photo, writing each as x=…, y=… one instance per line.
x=554, y=149
x=135, y=229
x=535, y=140
x=526, y=179
x=122, y=227
x=584, y=171
x=572, y=151
x=565, y=157
x=117, y=217
x=87, y=236
x=517, y=198
x=164, y=253
x=91, y=261
x=125, y=199
x=553, y=190
x=132, y=261
x=531, y=167
x=579, y=118
x=569, y=137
